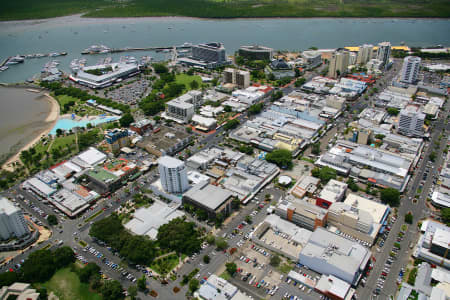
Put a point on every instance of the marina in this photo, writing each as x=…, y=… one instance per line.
x=102, y=49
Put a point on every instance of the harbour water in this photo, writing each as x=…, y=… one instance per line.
x=23, y=113
x=23, y=116
x=73, y=34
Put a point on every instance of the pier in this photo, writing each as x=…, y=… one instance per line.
x=118, y=50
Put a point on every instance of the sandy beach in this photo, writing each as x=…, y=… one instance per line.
x=50, y=120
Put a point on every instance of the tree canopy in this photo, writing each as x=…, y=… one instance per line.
x=281, y=157
x=255, y=108
x=126, y=120
x=325, y=174
x=445, y=214
x=112, y=290
x=390, y=196
x=52, y=220
x=180, y=236
x=231, y=124
x=231, y=268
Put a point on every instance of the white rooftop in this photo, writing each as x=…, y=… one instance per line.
x=377, y=210
x=333, y=285
x=7, y=207
x=148, y=220
x=170, y=162
x=92, y=156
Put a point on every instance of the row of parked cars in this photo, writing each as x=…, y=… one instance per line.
x=109, y=263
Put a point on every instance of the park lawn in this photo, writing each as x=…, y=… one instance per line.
x=165, y=265
x=285, y=268
x=79, y=108
x=187, y=79
x=63, y=141
x=225, y=275
x=66, y=285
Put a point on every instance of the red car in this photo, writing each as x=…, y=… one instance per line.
x=384, y=273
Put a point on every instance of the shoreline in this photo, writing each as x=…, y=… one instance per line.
x=84, y=18
x=51, y=120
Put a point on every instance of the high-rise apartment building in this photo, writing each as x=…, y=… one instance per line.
x=239, y=77
x=411, y=121
x=384, y=52
x=410, y=69
x=173, y=175
x=12, y=222
x=210, y=52
x=364, y=54
x=256, y=52
x=338, y=63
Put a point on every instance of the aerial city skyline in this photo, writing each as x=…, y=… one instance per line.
x=210, y=156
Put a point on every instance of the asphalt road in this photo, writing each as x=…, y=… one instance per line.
x=418, y=209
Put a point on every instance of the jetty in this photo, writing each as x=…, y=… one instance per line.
x=118, y=50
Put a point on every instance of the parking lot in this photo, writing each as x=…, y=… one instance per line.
x=129, y=91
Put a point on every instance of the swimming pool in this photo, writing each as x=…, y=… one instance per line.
x=67, y=124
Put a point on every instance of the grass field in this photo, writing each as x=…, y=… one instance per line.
x=187, y=79
x=79, y=108
x=27, y=9
x=165, y=265
x=66, y=285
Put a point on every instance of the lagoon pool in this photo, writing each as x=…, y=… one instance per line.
x=67, y=124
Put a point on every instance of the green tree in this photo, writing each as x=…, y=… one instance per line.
x=248, y=219
x=432, y=156
x=255, y=108
x=325, y=174
x=281, y=157
x=231, y=268
x=63, y=257
x=52, y=220
x=231, y=124
x=315, y=148
x=180, y=236
x=392, y=111
x=221, y=243
x=246, y=149
x=227, y=108
x=160, y=68
x=409, y=218
x=193, y=84
x=126, y=120
x=84, y=274
x=390, y=196
x=194, y=284
x=206, y=259
x=142, y=283
x=299, y=82
x=352, y=185
x=188, y=129
x=8, y=278
x=275, y=261
x=210, y=239
x=112, y=290
x=39, y=266
x=445, y=214
x=132, y=292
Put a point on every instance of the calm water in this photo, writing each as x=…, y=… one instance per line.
x=22, y=118
x=73, y=34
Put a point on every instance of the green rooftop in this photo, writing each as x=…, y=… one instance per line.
x=101, y=174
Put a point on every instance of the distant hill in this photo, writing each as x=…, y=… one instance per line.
x=28, y=9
